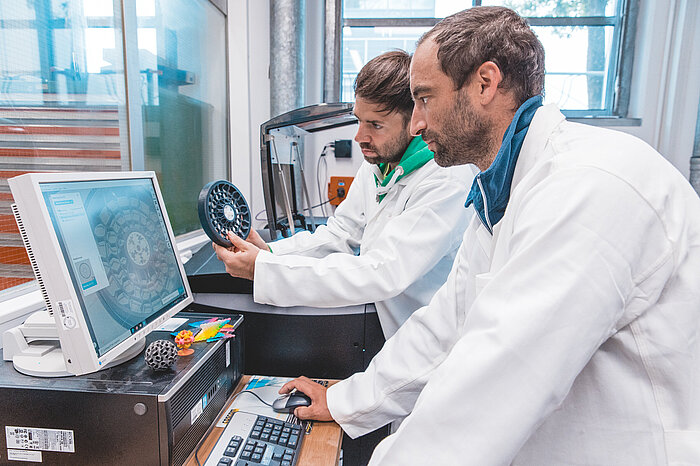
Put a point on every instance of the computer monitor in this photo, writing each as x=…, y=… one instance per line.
x=104, y=256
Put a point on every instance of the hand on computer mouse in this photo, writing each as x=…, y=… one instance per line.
x=317, y=392
x=288, y=403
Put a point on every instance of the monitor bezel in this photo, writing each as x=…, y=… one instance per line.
x=78, y=350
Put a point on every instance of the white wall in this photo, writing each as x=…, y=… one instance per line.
x=313, y=146
x=249, y=60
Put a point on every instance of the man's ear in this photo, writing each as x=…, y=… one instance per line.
x=488, y=77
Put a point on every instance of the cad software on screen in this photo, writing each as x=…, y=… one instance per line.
x=115, y=242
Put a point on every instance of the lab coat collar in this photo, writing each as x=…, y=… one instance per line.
x=544, y=123
x=491, y=188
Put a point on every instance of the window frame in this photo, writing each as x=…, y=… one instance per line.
x=619, y=74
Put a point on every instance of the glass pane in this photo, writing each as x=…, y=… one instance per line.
x=361, y=44
x=62, y=85
x=388, y=8
x=577, y=60
x=63, y=101
x=402, y=8
x=539, y=8
x=182, y=66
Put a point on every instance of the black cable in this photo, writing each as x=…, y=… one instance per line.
x=255, y=395
x=318, y=185
x=325, y=202
x=309, y=208
x=319, y=205
x=199, y=444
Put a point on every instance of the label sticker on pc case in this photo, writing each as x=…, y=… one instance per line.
x=24, y=455
x=30, y=438
x=67, y=313
x=196, y=411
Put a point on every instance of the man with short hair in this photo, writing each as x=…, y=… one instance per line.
x=403, y=214
x=567, y=331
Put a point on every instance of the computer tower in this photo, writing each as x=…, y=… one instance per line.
x=124, y=415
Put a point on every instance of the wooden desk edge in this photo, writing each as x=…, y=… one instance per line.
x=320, y=447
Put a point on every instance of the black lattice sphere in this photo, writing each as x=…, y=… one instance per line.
x=161, y=354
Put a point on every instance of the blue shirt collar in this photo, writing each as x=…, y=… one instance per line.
x=490, y=190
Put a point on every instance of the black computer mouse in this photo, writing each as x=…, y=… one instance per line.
x=287, y=403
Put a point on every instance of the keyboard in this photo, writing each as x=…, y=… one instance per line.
x=249, y=439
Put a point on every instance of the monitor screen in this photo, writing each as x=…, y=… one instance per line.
x=118, y=252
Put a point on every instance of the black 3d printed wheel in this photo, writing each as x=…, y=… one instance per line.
x=223, y=208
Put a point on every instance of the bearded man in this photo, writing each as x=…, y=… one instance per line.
x=567, y=331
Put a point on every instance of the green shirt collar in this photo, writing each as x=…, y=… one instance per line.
x=416, y=155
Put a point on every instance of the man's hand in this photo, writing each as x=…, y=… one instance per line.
x=254, y=238
x=238, y=259
x=317, y=392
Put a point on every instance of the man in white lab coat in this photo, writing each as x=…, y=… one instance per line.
x=568, y=329
x=403, y=213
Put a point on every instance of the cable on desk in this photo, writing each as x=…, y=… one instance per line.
x=254, y=394
x=199, y=444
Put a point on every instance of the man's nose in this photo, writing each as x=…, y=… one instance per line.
x=362, y=135
x=418, y=124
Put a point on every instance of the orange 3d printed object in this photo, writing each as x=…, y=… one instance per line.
x=184, y=340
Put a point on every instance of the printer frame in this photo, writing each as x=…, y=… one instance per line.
x=308, y=119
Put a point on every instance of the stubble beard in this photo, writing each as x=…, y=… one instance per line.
x=465, y=137
x=391, y=152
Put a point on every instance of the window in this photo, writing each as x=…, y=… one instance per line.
x=585, y=74
x=102, y=85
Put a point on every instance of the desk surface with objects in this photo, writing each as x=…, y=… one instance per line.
x=320, y=441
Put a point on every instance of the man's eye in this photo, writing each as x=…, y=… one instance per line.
x=376, y=126
x=424, y=100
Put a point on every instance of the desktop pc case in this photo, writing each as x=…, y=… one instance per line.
x=124, y=415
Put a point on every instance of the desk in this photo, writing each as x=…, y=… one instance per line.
x=320, y=447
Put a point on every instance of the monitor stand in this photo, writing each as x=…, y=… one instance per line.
x=35, y=349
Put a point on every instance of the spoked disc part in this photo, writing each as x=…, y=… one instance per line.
x=222, y=208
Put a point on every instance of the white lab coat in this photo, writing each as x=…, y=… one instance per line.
x=406, y=244
x=569, y=337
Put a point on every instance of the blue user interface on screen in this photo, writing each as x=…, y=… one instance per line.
x=122, y=264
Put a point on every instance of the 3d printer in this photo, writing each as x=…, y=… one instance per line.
x=288, y=201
